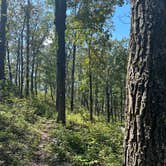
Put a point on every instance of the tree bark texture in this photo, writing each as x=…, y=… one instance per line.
x=145, y=130
x=61, y=59
x=3, y=38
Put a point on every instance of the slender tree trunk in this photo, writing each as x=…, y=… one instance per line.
x=90, y=85
x=83, y=99
x=102, y=105
x=17, y=62
x=45, y=91
x=27, y=47
x=52, y=92
x=22, y=68
x=3, y=38
x=114, y=107
x=9, y=64
x=111, y=105
x=19, y=73
x=108, y=101
x=68, y=80
x=61, y=59
x=72, y=78
x=96, y=99
x=22, y=60
x=145, y=131
x=32, y=75
x=35, y=79
x=121, y=105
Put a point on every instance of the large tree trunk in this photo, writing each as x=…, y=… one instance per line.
x=3, y=38
x=145, y=133
x=61, y=59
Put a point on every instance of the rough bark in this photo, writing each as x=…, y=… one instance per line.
x=145, y=131
x=61, y=59
x=3, y=38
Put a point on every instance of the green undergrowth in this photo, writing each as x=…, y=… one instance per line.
x=19, y=137
x=80, y=143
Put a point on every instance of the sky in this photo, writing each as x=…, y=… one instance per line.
x=121, y=21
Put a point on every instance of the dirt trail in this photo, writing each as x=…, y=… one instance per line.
x=42, y=154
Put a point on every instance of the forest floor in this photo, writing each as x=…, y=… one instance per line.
x=42, y=154
x=29, y=135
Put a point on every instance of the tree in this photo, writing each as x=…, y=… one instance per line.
x=3, y=38
x=145, y=133
x=72, y=78
x=61, y=59
x=27, y=47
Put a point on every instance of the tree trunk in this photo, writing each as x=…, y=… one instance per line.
x=61, y=59
x=145, y=130
x=22, y=68
x=121, y=105
x=3, y=38
x=114, y=107
x=32, y=74
x=9, y=64
x=111, y=105
x=22, y=60
x=90, y=85
x=108, y=101
x=96, y=100
x=27, y=47
x=52, y=92
x=17, y=63
x=35, y=79
x=72, y=78
x=102, y=105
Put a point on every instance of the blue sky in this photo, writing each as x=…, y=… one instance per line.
x=121, y=21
